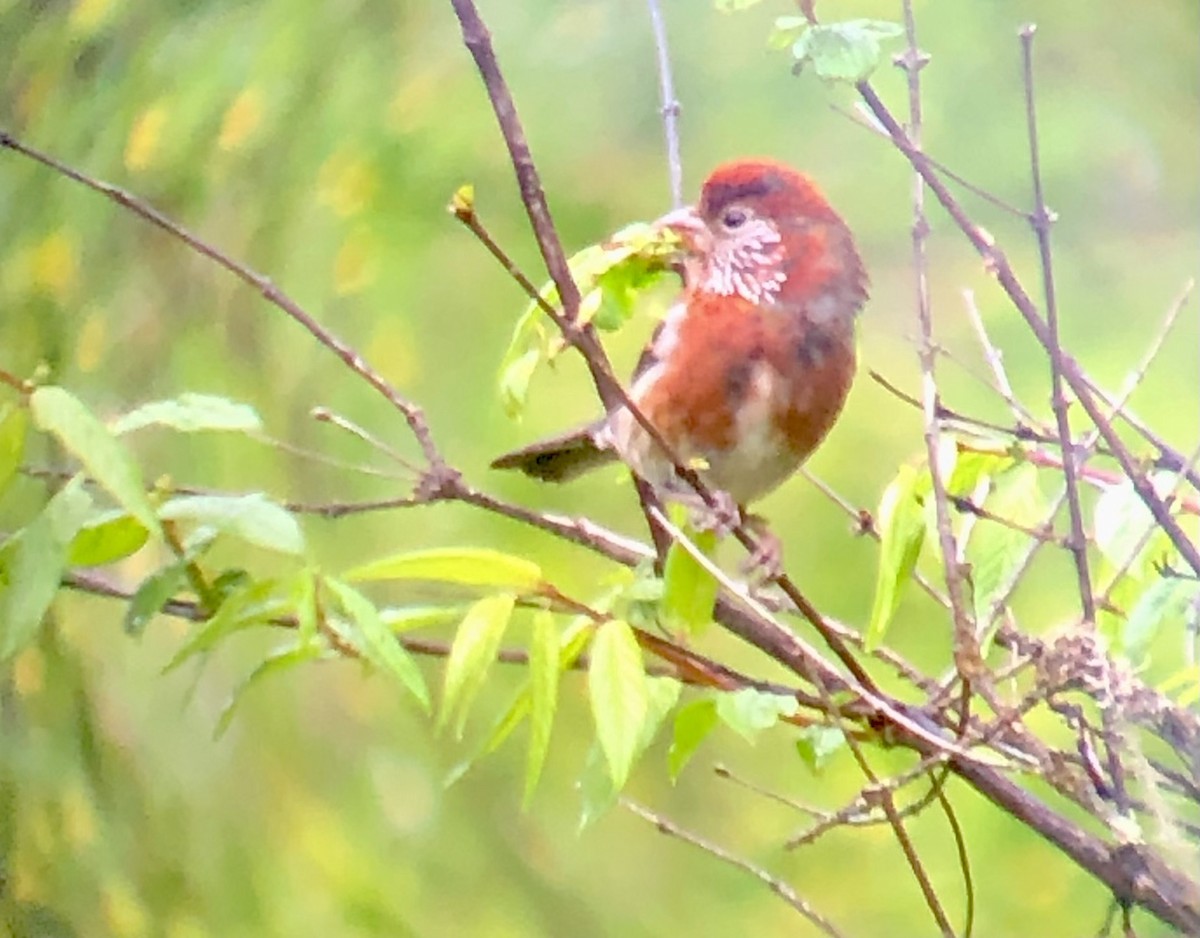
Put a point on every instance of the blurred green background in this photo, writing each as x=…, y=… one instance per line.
x=320, y=142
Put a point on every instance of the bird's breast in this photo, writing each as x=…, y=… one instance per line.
x=748, y=391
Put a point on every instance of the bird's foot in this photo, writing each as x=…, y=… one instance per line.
x=720, y=516
x=765, y=562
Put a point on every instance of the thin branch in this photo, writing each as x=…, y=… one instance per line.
x=478, y=41
x=670, y=104
x=995, y=360
x=863, y=118
x=966, y=650
x=964, y=859
x=783, y=890
x=1042, y=220
x=413, y=415
x=999, y=266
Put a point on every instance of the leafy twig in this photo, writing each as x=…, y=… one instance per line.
x=1074, y=376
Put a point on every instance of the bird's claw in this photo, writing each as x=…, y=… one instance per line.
x=720, y=516
x=765, y=562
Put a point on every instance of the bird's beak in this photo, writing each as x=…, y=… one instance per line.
x=689, y=226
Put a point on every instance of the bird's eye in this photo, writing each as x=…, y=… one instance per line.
x=734, y=218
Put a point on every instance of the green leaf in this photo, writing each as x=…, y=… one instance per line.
x=465, y=566
x=693, y=723
x=152, y=594
x=251, y=605
x=619, y=696
x=596, y=783
x=973, y=466
x=597, y=791
x=847, y=52
x=817, y=744
x=191, y=413
x=472, y=655
x=662, y=693
x=1168, y=598
x=543, y=696
x=35, y=560
x=748, y=711
x=571, y=644
x=515, y=376
x=407, y=618
x=253, y=518
x=689, y=591
x=733, y=6
x=286, y=658
x=110, y=537
x=14, y=426
x=786, y=31
x=901, y=524
x=610, y=277
x=307, y=603
x=60, y=413
x=1183, y=686
x=994, y=550
x=379, y=646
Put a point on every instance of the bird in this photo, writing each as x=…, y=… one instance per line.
x=750, y=368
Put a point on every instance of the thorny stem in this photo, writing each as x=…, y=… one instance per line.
x=1042, y=220
x=998, y=265
x=912, y=61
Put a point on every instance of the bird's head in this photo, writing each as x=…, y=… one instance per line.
x=763, y=231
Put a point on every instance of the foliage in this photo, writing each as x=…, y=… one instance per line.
x=173, y=504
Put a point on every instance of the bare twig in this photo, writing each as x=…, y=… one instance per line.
x=1042, y=219
x=966, y=652
x=1074, y=376
x=413, y=415
x=995, y=360
x=863, y=118
x=783, y=890
x=670, y=104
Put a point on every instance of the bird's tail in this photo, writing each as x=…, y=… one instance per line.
x=560, y=458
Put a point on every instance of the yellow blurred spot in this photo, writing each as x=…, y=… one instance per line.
x=347, y=183
x=93, y=337
x=86, y=15
x=23, y=884
x=142, y=145
x=54, y=265
x=241, y=120
x=321, y=837
x=415, y=101
x=392, y=352
x=78, y=818
x=187, y=928
x=354, y=267
x=42, y=834
x=33, y=94
x=123, y=911
x=29, y=672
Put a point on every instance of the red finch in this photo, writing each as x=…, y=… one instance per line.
x=750, y=368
